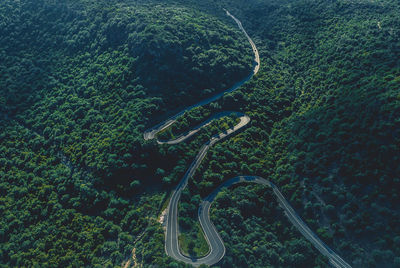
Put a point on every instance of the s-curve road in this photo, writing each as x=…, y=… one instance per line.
x=171, y=241
x=152, y=132
x=216, y=245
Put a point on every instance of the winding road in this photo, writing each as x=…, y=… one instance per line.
x=216, y=245
x=244, y=119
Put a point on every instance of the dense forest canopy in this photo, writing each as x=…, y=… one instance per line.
x=90, y=82
x=80, y=81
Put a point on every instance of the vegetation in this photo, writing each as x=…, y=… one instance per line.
x=256, y=231
x=53, y=214
x=81, y=80
x=193, y=244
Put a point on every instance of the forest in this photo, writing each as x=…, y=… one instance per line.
x=80, y=81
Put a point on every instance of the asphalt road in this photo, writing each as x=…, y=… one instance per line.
x=172, y=232
x=152, y=132
x=294, y=218
x=216, y=245
x=196, y=129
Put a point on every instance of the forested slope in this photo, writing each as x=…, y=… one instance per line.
x=49, y=213
x=89, y=79
x=80, y=81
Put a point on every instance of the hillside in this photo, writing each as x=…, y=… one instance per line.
x=81, y=81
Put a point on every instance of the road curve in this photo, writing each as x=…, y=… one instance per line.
x=172, y=228
x=151, y=133
x=216, y=245
x=294, y=218
x=253, y=46
x=243, y=118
